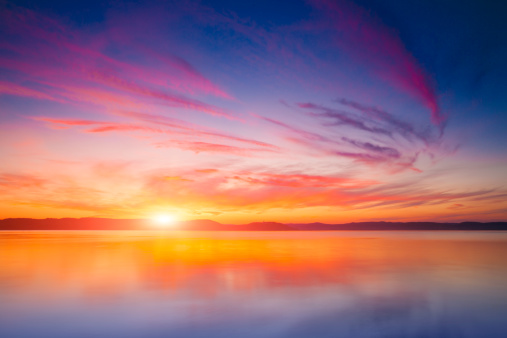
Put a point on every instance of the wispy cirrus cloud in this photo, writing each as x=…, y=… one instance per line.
x=362, y=133
x=19, y=90
x=383, y=151
x=393, y=123
x=367, y=39
x=70, y=66
x=342, y=118
x=307, y=135
x=358, y=150
x=193, y=129
x=301, y=180
x=199, y=146
x=175, y=129
x=100, y=126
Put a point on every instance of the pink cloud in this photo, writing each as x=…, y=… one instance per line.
x=227, y=190
x=72, y=67
x=368, y=40
x=192, y=129
x=119, y=127
x=69, y=122
x=15, y=89
x=197, y=79
x=301, y=181
x=193, y=145
x=250, y=190
x=206, y=171
x=199, y=146
x=456, y=206
x=113, y=81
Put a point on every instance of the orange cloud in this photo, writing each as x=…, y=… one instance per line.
x=176, y=178
x=17, y=181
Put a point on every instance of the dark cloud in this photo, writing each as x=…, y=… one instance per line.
x=341, y=118
x=385, y=151
x=396, y=125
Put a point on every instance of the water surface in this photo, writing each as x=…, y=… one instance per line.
x=253, y=284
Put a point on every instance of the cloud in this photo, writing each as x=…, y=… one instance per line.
x=308, y=136
x=122, y=127
x=102, y=127
x=193, y=129
x=206, y=171
x=196, y=79
x=69, y=122
x=198, y=147
x=372, y=154
x=175, y=128
x=113, y=81
x=342, y=118
x=71, y=67
x=394, y=124
x=456, y=206
x=149, y=82
x=383, y=151
x=251, y=190
x=301, y=180
x=368, y=40
x=21, y=181
x=248, y=190
x=176, y=178
x=10, y=88
x=228, y=190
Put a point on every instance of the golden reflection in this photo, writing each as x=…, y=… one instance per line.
x=101, y=266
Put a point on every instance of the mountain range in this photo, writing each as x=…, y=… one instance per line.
x=209, y=225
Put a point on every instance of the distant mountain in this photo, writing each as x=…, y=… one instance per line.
x=375, y=226
x=262, y=226
x=209, y=225
x=201, y=224
x=130, y=224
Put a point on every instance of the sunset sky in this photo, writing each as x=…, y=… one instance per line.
x=240, y=111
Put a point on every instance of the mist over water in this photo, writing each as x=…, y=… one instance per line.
x=253, y=284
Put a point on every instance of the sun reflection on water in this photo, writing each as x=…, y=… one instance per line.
x=279, y=277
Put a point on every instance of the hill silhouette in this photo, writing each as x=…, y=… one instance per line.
x=263, y=226
x=209, y=225
x=201, y=224
x=376, y=226
x=131, y=224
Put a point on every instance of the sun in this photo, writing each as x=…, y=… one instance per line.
x=164, y=220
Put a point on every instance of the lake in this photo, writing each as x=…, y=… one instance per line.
x=253, y=284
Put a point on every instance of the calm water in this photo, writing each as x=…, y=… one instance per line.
x=265, y=284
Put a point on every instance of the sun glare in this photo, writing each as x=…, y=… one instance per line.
x=164, y=220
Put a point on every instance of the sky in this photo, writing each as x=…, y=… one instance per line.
x=290, y=111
